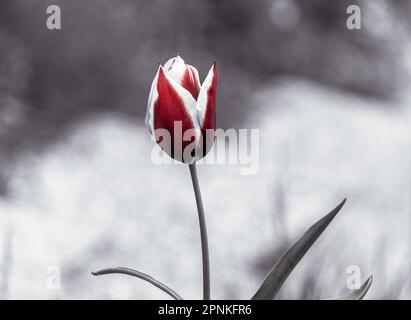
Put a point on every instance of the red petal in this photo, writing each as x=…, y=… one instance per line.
x=168, y=108
x=209, y=116
x=191, y=82
x=209, y=120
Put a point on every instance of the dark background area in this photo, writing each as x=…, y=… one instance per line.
x=103, y=58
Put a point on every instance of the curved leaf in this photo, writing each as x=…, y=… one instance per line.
x=292, y=256
x=141, y=275
x=357, y=294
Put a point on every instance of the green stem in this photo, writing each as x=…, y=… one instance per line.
x=203, y=233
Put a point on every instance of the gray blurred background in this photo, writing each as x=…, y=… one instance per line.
x=79, y=192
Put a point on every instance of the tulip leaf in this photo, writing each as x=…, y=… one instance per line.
x=292, y=256
x=141, y=275
x=357, y=294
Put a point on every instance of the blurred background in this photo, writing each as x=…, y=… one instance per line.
x=79, y=192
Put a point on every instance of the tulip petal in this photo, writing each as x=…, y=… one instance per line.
x=175, y=104
x=185, y=75
x=171, y=91
x=191, y=81
x=206, y=109
x=170, y=63
x=206, y=101
x=175, y=68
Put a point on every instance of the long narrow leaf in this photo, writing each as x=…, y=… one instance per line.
x=292, y=256
x=357, y=294
x=141, y=275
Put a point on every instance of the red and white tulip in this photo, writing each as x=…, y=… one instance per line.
x=181, y=111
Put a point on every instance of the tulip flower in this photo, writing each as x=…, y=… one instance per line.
x=181, y=117
x=181, y=111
